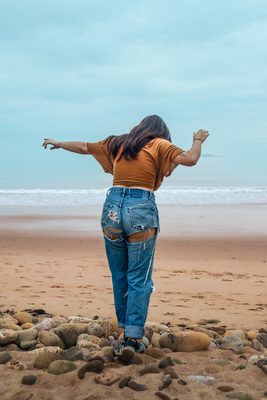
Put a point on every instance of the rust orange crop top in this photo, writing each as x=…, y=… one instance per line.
x=147, y=170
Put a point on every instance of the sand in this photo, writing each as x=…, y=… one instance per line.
x=210, y=263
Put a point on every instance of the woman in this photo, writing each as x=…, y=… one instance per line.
x=138, y=161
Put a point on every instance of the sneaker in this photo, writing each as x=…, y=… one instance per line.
x=129, y=348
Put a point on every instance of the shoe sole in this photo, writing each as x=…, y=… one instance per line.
x=127, y=354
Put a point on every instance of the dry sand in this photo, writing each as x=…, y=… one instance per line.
x=210, y=264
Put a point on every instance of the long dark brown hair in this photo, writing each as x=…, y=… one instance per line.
x=149, y=128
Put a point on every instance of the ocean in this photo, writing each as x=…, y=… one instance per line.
x=167, y=195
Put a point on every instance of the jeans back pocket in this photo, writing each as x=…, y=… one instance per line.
x=144, y=216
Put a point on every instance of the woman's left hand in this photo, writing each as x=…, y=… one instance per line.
x=54, y=143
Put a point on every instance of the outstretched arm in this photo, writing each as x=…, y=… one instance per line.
x=191, y=157
x=75, y=147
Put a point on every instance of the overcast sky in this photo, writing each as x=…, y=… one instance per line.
x=85, y=69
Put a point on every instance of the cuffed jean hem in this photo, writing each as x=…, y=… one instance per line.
x=133, y=331
x=121, y=325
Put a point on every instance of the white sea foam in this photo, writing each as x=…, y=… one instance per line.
x=165, y=196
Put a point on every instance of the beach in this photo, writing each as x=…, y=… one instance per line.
x=210, y=264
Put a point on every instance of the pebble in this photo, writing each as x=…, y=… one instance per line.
x=103, y=342
x=255, y=344
x=26, y=335
x=23, y=317
x=251, y=335
x=225, y=388
x=208, y=332
x=68, y=335
x=44, y=325
x=166, y=380
x=107, y=378
x=5, y=357
x=185, y=341
x=49, y=349
x=13, y=364
x=236, y=332
x=170, y=371
x=43, y=361
x=95, y=329
x=233, y=340
x=73, y=354
x=49, y=338
x=81, y=327
x=149, y=369
x=109, y=350
x=166, y=362
x=124, y=382
x=91, y=366
x=60, y=367
x=10, y=325
x=182, y=382
x=243, y=366
x=239, y=396
x=28, y=344
x=77, y=319
x=28, y=380
x=145, y=341
x=148, y=332
x=203, y=380
x=136, y=360
x=7, y=336
x=137, y=386
x=262, y=338
x=154, y=352
x=162, y=396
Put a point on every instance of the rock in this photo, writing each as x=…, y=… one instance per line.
x=213, y=321
x=148, y=332
x=28, y=325
x=28, y=380
x=14, y=327
x=236, y=332
x=43, y=361
x=78, y=319
x=103, y=342
x=162, y=396
x=170, y=371
x=5, y=357
x=73, y=354
x=7, y=336
x=208, y=332
x=49, y=338
x=203, y=380
x=26, y=335
x=11, y=347
x=149, y=369
x=49, y=349
x=262, y=338
x=243, y=366
x=166, y=362
x=115, y=327
x=261, y=363
x=185, y=341
x=239, y=396
x=59, y=319
x=177, y=361
x=225, y=388
x=106, y=324
x=166, y=351
x=45, y=325
x=95, y=329
x=218, y=361
x=166, y=380
x=107, y=378
x=81, y=327
x=182, y=382
x=155, y=341
x=233, y=340
x=229, y=346
x=175, y=329
x=213, y=345
x=23, y=317
x=255, y=344
x=8, y=318
x=109, y=350
x=137, y=386
x=13, y=364
x=157, y=327
x=145, y=341
x=251, y=335
x=154, y=352
x=92, y=366
x=28, y=344
x=68, y=335
x=60, y=367
x=124, y=382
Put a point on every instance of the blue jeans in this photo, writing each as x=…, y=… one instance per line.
x=127, y=211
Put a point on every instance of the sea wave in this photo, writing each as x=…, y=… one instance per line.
x=183, y=195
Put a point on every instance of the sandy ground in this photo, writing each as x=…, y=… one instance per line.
x=210, y=264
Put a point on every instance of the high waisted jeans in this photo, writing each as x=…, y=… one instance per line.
x=127, y=211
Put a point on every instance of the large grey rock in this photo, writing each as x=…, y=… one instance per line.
x=60, y=367
x=26, y=335
x=5, y=357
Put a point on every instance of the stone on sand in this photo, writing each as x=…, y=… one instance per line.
x=26, y=335
x=43, y=361
x=165, y=381
x=68, y=335
x=91, y=366
x=107, y=378
x=49, y=338
x=185, y=341
x=7, y=336
x=154, y=352
x=23, y=317
x=60, y=367
x=5, y=357
x=73, y=354
x=28, y=380
x=239, y=396
x=95, y=329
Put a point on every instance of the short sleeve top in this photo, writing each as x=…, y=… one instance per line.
x=147, y=170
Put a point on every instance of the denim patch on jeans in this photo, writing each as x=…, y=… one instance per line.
x=127, y=211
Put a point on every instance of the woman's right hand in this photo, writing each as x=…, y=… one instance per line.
x=54, y=143
x=201, y=134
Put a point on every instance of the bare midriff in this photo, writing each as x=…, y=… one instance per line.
x=134, y=187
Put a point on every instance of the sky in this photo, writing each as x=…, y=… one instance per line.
x=85, y=69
